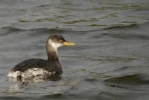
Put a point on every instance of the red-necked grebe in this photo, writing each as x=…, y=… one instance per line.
x=41, y=67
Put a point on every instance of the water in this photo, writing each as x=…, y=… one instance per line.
x=110, y=61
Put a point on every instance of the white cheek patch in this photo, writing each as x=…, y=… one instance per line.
x=55, y=45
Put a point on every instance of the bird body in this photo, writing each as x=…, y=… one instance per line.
x=41, y=67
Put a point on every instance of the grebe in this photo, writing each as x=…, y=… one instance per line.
x=40, y=67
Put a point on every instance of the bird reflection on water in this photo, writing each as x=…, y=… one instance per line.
x=27, y=82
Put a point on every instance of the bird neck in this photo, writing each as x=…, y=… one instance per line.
x=51, y=52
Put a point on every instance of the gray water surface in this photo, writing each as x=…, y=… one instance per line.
x=109, y=62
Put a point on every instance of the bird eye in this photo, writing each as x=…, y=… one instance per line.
x=61, y=40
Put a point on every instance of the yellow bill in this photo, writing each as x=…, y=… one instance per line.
x=69, y=43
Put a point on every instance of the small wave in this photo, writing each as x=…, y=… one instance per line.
x=9, y=30
x=128, y=80
x=121, y=27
